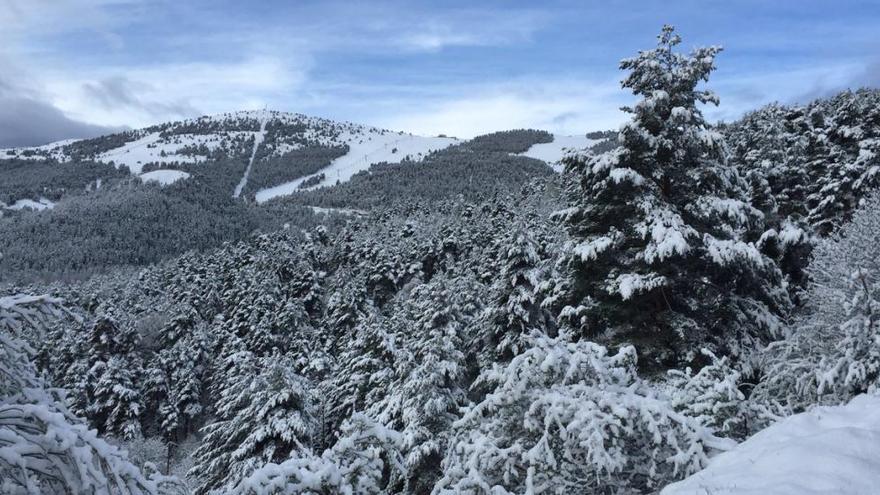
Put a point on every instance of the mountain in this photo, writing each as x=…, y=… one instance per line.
x=136, y=197
x=285, y=152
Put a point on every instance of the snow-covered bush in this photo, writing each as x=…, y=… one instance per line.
x=834, y=351
x=573, y=418
x=711, y=395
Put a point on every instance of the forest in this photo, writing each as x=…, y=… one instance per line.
x=486, y=326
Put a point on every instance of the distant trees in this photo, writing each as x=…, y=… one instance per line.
x=35, y=179
x=475, y=169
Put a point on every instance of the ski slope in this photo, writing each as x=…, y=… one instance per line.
x=258, y=139
x=553, y=152
x=365, y=149
x=828, y=450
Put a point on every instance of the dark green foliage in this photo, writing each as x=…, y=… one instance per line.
x=275, y=170
x=513, y=141
x=34, y=179
x=658, y=256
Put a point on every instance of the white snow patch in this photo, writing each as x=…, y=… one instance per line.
x=164, y=176
x=828, y=450
x=152, y=148
x=552, y=153
x=51, y=150
x=29, y=204
x=365, y=149
x=344, y=211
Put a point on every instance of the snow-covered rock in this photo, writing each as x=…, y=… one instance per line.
x=163, y=176
x=828, y=450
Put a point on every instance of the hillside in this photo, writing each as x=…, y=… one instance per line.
x=137, y=197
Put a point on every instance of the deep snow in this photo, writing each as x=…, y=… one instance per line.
x=828, y=450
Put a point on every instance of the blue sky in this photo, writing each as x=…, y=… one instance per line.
x=460, y=68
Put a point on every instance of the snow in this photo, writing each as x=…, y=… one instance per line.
x=21, y=204
x=553, y=152
x=257, y=140
x=365, y=149
x=343, y=211
x=149, y=149
x=828, y=450
x=164, y=176
x=51, y=150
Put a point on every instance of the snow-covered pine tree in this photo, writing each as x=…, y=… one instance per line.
x=430, y=379
x=45, y=448
x=845, y=157
x=365, y=369
x=177, y=376
x=360, y=462
x=658, y=257
x=264, y=415
x=514, y=308
x=104, y=374
x=834, y=351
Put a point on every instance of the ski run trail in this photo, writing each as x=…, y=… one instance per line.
x=258, y=139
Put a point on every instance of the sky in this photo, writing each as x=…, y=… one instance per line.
x=79, y=68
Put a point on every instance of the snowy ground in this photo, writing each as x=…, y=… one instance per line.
x=344, y=211
x=163, y=176
x=553, y=152
x=21, y=204
x=51, y=150
x=365, y=149
x=829, y=450
x=152, y=148
x=258, y=139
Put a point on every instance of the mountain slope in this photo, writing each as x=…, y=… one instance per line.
x=261, y=135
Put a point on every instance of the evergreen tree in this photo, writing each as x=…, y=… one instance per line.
x=514, y=309
x=658, y=257
x=264, y=415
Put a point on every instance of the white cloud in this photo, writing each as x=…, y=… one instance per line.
x=566, y=107
x=143, y=95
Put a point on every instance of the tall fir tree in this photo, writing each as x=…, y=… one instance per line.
x=658, y=258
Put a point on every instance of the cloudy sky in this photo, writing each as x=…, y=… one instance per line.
x=75, y=68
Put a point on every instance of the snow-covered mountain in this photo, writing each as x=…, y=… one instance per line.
x=258, y=135
x=166, y=152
